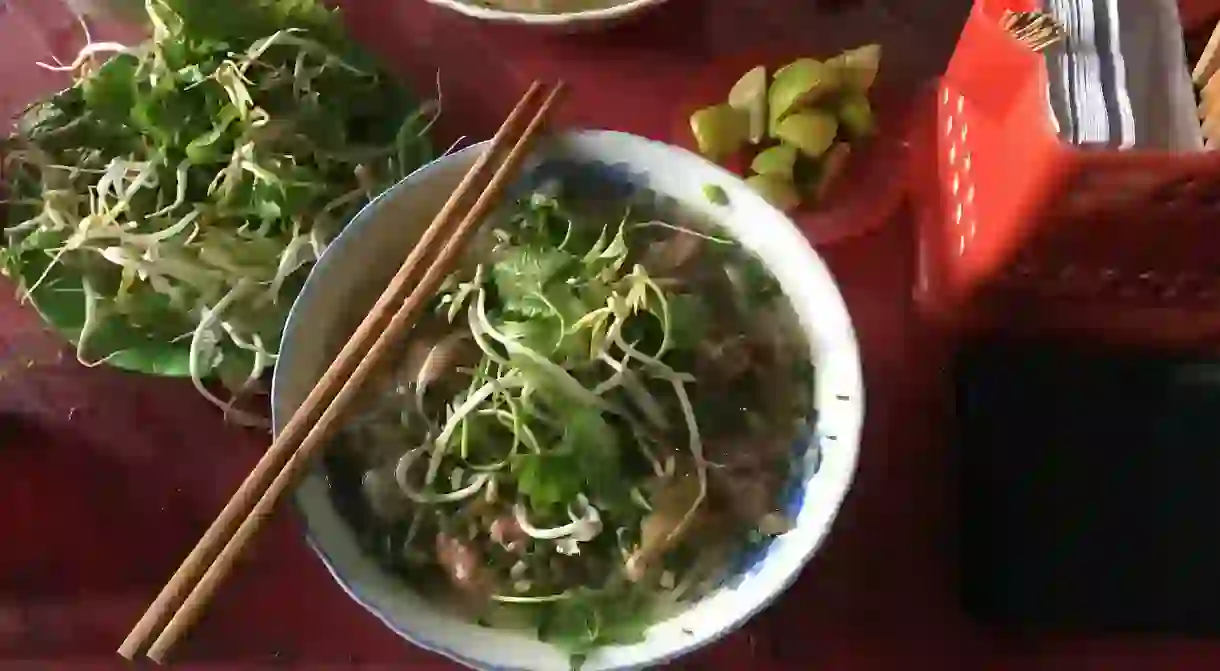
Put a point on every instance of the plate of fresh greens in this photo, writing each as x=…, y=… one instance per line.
x=162, y=212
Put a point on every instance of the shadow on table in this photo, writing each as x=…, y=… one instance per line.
x=76, y=520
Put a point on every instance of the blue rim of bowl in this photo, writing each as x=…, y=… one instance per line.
x=814, y=441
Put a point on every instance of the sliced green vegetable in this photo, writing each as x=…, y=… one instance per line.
x=811, y=132
x=778, y=161
x=720, y=130
x=856, y=115
x=778, y=191
x=798, y=84
x=749, y=95
x=858, y=67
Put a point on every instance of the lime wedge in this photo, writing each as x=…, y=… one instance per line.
x=812, y=131
x=778, y=191
x=797, y=84
x=858, y=67
x=798, y=63
x=749, y=95
x=778, y=161
x=719, y=130
x=856, y=115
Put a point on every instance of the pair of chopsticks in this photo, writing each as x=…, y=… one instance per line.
x=183, y=600
x=1206, y=76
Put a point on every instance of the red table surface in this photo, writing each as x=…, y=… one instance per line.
x=107, y=479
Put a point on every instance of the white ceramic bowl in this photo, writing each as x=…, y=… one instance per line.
x=572, y=21
x=359, y=263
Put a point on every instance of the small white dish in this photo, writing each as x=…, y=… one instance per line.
x=586, y=19
x=358, y=265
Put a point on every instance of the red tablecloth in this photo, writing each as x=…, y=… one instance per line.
x=107, y=479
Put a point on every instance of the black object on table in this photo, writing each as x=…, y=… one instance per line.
x=1090, y=488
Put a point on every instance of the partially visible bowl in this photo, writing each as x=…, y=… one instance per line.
x=585, y=19
x=351, y=274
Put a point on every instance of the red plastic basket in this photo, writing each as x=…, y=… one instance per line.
x=1021, y=232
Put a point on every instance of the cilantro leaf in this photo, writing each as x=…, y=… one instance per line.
x=522, y=273
x=548, y=480
x=110, y=92
x=542, y=221
x=588, y=435
x=540, y=334
x=593, y=618
x=585, y=457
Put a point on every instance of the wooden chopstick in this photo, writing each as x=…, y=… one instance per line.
x=255, y=498
x=1208, y=61
x=172, y=595
x=196, y=602
x=1206, y=75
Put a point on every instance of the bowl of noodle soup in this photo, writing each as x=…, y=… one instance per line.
x=624, y=425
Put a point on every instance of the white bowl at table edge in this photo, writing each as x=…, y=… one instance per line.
x=805, y=280
x=580, y=20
